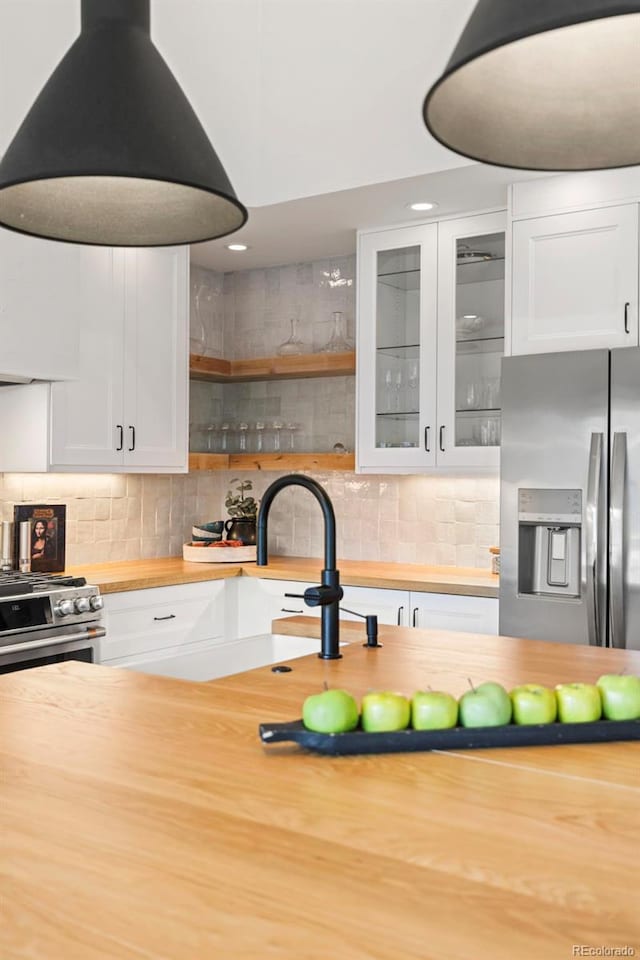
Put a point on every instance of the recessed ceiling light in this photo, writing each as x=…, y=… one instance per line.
x=237, y=246
x=423, y=205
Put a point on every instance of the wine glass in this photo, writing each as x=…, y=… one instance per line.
x=388, y=389
x=412, y=380
x=397, y=386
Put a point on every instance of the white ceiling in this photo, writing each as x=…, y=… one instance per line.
x=315, y=99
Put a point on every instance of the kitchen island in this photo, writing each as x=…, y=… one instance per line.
x=143, y=818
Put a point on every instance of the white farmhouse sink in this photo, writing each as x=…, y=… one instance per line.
x=223, y=659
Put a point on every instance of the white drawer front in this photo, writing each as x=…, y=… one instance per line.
x=165, y=619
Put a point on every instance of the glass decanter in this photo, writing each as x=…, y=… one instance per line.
x=338, y=342
x=294, y=345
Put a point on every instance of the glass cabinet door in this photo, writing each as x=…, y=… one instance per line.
x=396, y=347
x=471, y=333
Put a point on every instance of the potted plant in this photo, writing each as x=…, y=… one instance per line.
x=242, y=510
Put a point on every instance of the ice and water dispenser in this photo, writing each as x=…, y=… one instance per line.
x=549, y=534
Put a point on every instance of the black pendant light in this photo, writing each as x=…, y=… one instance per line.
x=543, y=85
x=111, y=151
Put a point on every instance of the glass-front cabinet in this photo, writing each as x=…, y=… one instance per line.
x=396, y=361
x=470, y=339
x=430, y=341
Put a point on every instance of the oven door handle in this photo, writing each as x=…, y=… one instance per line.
x=93, y=633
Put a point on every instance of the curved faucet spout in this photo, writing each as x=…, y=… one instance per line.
x=329, y=594
x=297, y=480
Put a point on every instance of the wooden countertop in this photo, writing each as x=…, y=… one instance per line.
x=143, y=820
x=168, y=571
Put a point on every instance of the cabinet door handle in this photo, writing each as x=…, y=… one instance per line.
x=170, y=616
x=427, y=431
x=413, y=616
x=120, y=428
x=442, y=438
x=133, y=439
x=400, y=612
x=626, y=318
x=286, y=610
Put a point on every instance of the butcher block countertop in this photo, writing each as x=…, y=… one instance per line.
x=142, y=819
x=168, y=571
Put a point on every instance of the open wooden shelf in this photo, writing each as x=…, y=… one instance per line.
x=271, y=461
x=272, y=368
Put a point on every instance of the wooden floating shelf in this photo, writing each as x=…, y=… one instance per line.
x=272, y=461
x=272, y=368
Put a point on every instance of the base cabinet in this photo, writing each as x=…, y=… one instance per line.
x=436, y=611
x=200, y=631
x=165, y=630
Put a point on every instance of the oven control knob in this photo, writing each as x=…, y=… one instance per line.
x=82, y=605
x=64, y=609
x=97, y=603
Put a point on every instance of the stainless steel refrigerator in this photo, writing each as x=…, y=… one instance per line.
x=570, y=497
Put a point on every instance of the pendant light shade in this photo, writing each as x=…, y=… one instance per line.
x=543, y=85
x=111, y=151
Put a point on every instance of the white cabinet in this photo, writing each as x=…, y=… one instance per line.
x=40, y=305
x=431, y=334
x=165, y=626
x=128, y=409
x=575, y=280
x=439, y=611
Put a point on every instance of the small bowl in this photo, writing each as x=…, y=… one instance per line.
x=211, y=531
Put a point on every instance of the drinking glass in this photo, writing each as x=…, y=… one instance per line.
x=225, y=429
x=259, y=428
x=292, y=428
x=242, y=436
x=276, y=427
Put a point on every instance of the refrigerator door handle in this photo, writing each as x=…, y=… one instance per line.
x=592, y=547
x=616, y=539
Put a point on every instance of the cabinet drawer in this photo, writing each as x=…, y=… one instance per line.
x=147, y=620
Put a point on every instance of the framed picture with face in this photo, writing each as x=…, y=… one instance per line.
x=47, y=542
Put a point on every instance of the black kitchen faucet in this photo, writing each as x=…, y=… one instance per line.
x=329, y=594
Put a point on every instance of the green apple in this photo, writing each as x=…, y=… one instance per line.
x=620, y=695
x=533, y=703
x=332, y=711
x=487, y=705
x=383, y=711
x=578, y=702
x=433, y=710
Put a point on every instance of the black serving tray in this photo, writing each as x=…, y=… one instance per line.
x=457, y=738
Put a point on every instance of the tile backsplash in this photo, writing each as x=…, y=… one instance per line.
x=436, y=520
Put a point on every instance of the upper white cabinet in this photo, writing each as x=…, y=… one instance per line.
x=40, y=304
x=431, y=334
x=575, y=280
x=129, y=407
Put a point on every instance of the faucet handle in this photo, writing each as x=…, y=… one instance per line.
x=319, y=596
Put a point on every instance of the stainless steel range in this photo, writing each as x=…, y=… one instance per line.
x=47, y=618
